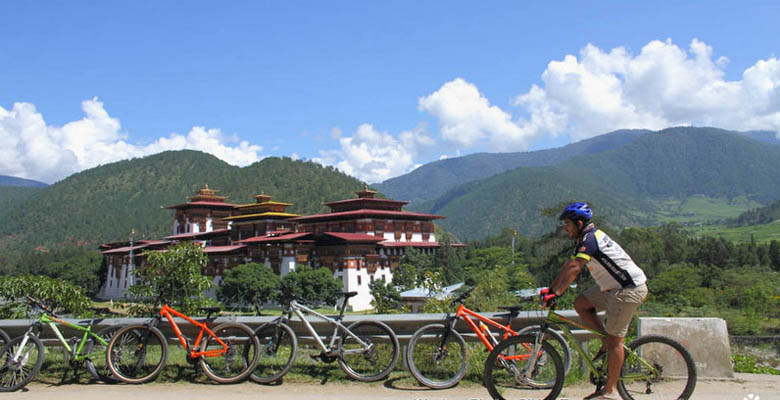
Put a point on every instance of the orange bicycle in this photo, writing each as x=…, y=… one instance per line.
x=437, y=354
x=227, y=353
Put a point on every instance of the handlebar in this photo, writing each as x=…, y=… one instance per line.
x=41, y=305
x=463, y=296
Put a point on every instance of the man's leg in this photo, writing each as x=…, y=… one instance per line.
x=615, y=357
x=587, y=312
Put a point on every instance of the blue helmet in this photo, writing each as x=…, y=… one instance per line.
x=577, y=211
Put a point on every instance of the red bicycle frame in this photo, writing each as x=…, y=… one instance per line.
x=464, y=313
x=169, y=313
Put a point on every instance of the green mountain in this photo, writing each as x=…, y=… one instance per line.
x=762, y=215
x=104, y=203
x=434, y=179
x=628, y=183
x=6, y=180
x=12, y=196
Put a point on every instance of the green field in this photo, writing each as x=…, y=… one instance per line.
x=757, y=233
x=702, y=209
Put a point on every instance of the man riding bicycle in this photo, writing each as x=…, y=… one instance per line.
x=620, y=287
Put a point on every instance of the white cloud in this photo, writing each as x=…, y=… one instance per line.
x=374, y=156
x=467, y=119
x=30, y=148
x=662, y=86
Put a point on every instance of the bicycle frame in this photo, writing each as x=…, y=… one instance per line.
x=553, y=318
x=52, y=323
x=169, y=313
x=299, y=309
x=466, y=314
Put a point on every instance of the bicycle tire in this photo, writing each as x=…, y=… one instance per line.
x=372, y=364
x=238, y=361
x=15, y=375
x=96, y=365
x=4, y=339
x=557, y=340
x=278, y=348
x=435, y=363
x=501, y=375
x=672, y=359
x=128, y=354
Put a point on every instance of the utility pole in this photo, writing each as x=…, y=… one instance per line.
x=514, y=233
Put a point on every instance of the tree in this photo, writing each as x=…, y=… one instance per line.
x=253, y=284
x=174, y=276
x=58, y=295
x=316, y=285
x=387, y=299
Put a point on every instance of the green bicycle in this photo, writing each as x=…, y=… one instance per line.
x=22, y=357
x=655, y=366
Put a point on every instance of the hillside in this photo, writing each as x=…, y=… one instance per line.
x=6, y=180
x=12, y=196
x=629, y=181
x=105, y=203
x=763, y=215
x=434, y=179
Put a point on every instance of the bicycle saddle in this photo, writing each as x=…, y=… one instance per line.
x=349, y=294
x=513, y=309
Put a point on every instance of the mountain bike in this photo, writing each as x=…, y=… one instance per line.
x=366, y=350
x=22, y=357
x=655, y=366
x=438, y=356
x=226, y=354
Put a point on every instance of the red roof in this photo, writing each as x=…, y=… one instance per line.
x=365, y=211
x=366, y=199
x=355, y=237
x=409, y=244
x=222, y=249
x=202, y=203
x=196, y=234
x=280, y=238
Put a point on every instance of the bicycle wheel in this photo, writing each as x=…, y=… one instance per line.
x=374, y=360
x=509, y=373
x=4, y=339
x=673, y=372
x=434, y=361
x=16, y=372
x=237, y=361
x=96, y=362
x=557, y=341
x=278, y=346
x=136, y=354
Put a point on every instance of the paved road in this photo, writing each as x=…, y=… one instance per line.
x=766, y=387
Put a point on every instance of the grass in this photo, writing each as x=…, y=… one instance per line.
x=702, y=209
x=759, y=233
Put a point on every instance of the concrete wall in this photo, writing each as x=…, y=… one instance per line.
x=705, y=338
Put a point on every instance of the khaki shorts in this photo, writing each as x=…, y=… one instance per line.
x=620, y=305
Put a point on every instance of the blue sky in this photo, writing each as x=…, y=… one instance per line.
x=374, y=88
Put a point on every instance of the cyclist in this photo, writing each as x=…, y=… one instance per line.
x=620, y=287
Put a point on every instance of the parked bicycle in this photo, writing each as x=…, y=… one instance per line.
x=226, y=353
x=655, y=366
x=22, y=357
x=366, y=350
x=438, y=356
x=4, y=339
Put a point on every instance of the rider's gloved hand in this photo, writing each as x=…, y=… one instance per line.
x=547, y=297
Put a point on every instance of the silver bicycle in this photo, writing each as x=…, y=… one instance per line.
x=366, y=350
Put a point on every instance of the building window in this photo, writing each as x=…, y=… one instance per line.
x=372, y=278
x=360, y=282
